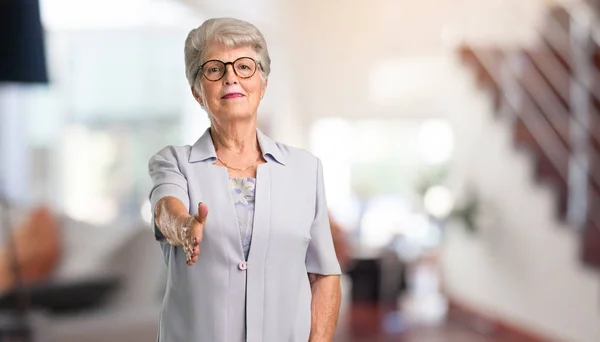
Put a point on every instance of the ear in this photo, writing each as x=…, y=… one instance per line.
x=196, y=95
x=264, y=89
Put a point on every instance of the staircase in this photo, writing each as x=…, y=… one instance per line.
x=550, y=93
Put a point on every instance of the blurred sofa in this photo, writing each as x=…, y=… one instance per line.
x=129, y=252
x=125, y=251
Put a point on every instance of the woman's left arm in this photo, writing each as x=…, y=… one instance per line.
x=323, y=270
x=326, y=299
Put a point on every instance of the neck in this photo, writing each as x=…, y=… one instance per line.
x=235, y=138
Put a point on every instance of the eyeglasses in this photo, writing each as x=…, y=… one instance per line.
x=214, y=70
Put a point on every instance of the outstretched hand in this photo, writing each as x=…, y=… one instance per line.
x=193, y=229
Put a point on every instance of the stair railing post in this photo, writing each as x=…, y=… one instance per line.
x=580, y=104
x=512, y=65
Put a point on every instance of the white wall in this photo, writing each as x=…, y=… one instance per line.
x=523, y=266
x=329, y=49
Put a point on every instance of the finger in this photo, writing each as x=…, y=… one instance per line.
x=196, y=236
x=196, y=250
x=192, y=248
x=192, y=259
x=189, y=250
x=202, y=213
x=185, y=234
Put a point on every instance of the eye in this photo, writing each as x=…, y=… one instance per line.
x=213, y=68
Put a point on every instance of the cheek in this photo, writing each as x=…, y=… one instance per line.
x=208, y=88
x=256, y=87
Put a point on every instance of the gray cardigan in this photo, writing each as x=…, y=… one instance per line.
x=221, y=298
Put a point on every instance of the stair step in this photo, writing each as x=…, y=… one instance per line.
x=546, y=81
x=545, y=67
x=590, y=248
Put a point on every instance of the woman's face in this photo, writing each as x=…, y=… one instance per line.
x=231, y=97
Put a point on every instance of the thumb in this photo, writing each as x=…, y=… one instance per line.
x=202, y=213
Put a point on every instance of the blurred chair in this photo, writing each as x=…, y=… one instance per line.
x=378, y=282
x=105, y=285
x=130, y=313
x=38, y=249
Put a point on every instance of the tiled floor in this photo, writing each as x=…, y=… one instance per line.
x=422, y=317
x=369, y=329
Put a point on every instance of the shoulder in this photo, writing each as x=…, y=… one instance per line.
x=296, y=157
x=171, y=154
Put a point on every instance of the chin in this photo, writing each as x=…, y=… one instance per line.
x=238, y=114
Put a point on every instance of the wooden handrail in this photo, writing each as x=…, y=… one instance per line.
x=574, y=47
x=539, y=127
x=542, y=95
x=551, y=108
x=552, y=69
x=555, y=72
x=559, y=35
x=556, y=113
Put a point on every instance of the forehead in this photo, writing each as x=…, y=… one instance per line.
x=225, y=53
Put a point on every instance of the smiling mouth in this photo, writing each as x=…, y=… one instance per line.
x=232, y=96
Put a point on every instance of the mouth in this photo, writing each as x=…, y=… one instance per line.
x=232, y=96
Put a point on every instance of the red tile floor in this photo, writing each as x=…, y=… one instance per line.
x=442, y=332
x=422, y=317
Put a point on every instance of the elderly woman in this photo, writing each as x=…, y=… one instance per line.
x=242, y=219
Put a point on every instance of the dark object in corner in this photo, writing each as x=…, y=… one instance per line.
x=22, y=56
x=64, y=297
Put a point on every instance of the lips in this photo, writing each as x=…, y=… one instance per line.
x=232, y=95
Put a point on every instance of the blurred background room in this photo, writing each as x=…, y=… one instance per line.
x=460, y=141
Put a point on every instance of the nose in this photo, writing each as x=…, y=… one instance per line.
x=230, y=76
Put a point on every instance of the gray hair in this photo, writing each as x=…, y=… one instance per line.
x=230, y=32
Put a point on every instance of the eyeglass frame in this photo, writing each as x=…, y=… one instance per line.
x=258, y=65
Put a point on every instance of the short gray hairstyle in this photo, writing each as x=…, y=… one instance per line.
x=230, y=32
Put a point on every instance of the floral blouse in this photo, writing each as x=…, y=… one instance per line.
x=243, y=195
